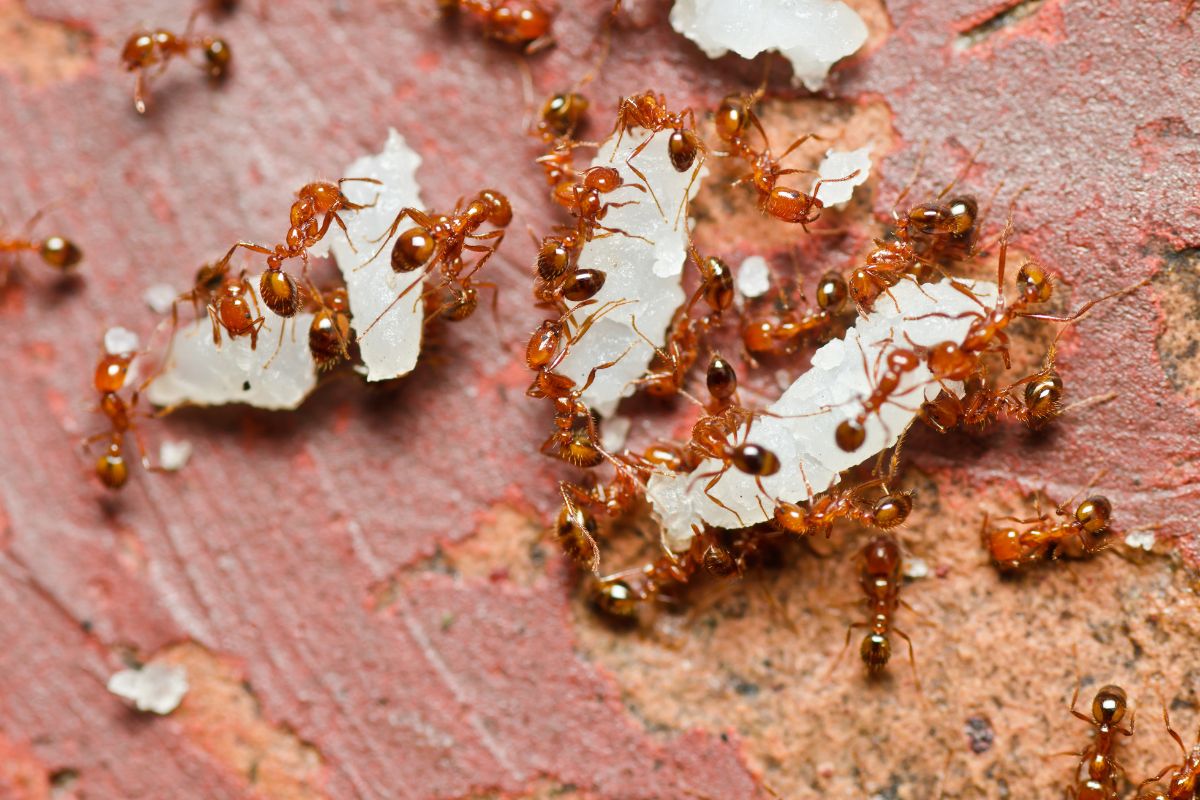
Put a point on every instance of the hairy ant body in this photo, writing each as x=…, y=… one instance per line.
x=881, y=580
x=1184, y=783
x=1096, y=761
x=329, y=335
x=820, y=513
x=521, y=23
x=780, y=333
x=147, y=50
x=57, y=252
x=318, y=205
x=1040, y=403
x=1043, y=540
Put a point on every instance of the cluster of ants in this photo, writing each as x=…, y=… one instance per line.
x=924, y=241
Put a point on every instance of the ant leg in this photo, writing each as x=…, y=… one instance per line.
x=352, y=206
x=216, y=326
x=716, y=477
x=797, y=143
x=140, y=87
x=849, y=632
x=646, y=181
x=221, y=265
x=1076, y=713
x=912, y=658
x=961, y=173
x=1088, y=306
x=255, y=327
x=415, y=214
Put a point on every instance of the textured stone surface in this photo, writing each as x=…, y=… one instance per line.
x=340, y=556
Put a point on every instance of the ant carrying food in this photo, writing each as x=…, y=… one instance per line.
x=1098, y=769
x=1184, y=783
x=56, y=252
x=1044, y=538
x=147, y=50
x=521, y=23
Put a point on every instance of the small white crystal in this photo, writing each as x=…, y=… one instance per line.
x=278, y=374
x=754, y=277
x=802, y=431
x=643, y=265
x=915, y=567
x=614, y=432
x=173, y=455
x=160, y=297
x=118, y=341
x=157, y=688
x=812, y=34
x=839, y=164
x=391, y=346
x=1141, y=539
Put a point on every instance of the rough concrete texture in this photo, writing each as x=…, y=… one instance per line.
x=370, y=566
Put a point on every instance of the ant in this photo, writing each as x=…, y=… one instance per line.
x=521, y=23
x=439, y=240
x=329, y=332
x=112, y=371
x=233, y=307
x=1096, y=760
x=575, y=530
x=649, y=111
x=669, y=367
x=55, y=251
x=880, y=579
x=1185, y=776
x=851, y=433
x=147, y=49
x=1011, y=549
x=321, y=200
x=982, y=403
x=778, y=334
x=820, y=513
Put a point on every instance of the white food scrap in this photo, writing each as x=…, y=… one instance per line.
x=643, y=265
x=157, y=688
x=839, y=164
x=811, y=34
x=754, y=277
x=118, y=341
x=802, y=434
x=174, y=455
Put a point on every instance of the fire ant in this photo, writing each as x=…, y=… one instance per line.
x=881, y=580
x=440, y=241
x=146, y=49
x=233, y=308
x=55, y=251
x=851, y=433
x=779, y=334
x=820, y=513
x=329, y=332
x=649, y=111
x=319, y=199
x=111, y=373
x=1011, y=549
x=521, y=23
x=981, y=403
x=1185, y=776
x=575, y=531
x=1102, y=770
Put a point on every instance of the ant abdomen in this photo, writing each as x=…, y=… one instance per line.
x=60, y=253
x=280, y=293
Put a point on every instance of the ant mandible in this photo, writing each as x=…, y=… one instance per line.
x=148, y=49
x=319, y=200
x=1096, y=761
x=57, y=252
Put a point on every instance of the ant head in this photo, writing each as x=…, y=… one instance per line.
x=499, y=211
x=850, y=435
x=891, y=510
x=60, y=253
x=111, y=468
x=683, y=146
x=831, y=292
x=754, y=459
x=876, y=650
x=882, y=555
x=562, y=113
x=615, y=598
x=963, y=213
x=721, y=378
x=413, y=248
x=1094, y=514
x=1033, y=283
x=1109, y=706
x=864, y=287
x=216, y=57
x=1043, y=397
x=138, y=51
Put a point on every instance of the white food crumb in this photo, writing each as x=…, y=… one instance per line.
x=118, y=341
x=173, y=455
x=802, y=431
x=278, y=374
x=839, y=164
x=391, y=347
x=614, y=432
x=754, y=277
x=157, y=688
x=1141, y=539
x=915, y=568
x=812, y=34
x=160, y=297
x=645, y=267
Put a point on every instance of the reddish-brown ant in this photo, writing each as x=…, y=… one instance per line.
x=318, y=205
x=981, y=403
x=57, y=252
x=145, y=50
x=851, y=433
x=780, y=333
x=112, y=371
x=329, y=335
x=521, y=23
x=575, y=530
x=819, y=514
x=1043, y=538
x=233, y=307
x=881, y=580
x=649, y=111
x=1096, y=761
x=1184, y=783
